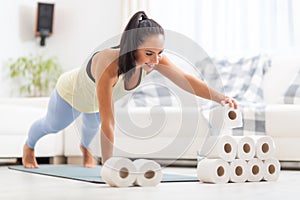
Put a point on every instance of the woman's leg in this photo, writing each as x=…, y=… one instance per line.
x=59, y=115
x=89, y=129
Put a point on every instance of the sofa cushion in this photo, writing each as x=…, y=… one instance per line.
x=243, y=79
x=287, y=148
x=282, y=120
x=16, y=119
x=292, y=94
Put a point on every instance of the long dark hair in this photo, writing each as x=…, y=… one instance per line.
x=138, y=28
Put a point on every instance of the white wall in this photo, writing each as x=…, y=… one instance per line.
x=79, y=27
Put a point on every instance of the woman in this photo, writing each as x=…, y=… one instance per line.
x=108, y=76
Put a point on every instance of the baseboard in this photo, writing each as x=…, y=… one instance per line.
x=8, y=161
x=290, y=165
x=77, y=160
x=58, y=160
x=74, y=160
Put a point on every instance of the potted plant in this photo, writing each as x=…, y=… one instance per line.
x=36, y=75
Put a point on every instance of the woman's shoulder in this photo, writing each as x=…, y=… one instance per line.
x=107, y=53
x=105, y=62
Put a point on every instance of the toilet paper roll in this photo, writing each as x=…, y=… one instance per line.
x=245, y=147
x=225, y=117
x=238, y=171
x=256, y=170
x=272, y=167
x=213, y=171
x=118, y=172
x=225, y=147
x=149, y=172
x=264, y=146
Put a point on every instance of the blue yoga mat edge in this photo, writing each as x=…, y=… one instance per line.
x=92, y=175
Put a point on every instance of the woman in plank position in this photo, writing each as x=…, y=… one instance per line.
x=109, y=75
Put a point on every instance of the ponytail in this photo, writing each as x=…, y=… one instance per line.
x=137, y=29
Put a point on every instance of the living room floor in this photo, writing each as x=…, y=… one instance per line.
x=20, y=185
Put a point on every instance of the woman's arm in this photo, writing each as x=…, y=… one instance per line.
x=105, y=74
x=104, y=70
x=191, y=84
x=104, y=93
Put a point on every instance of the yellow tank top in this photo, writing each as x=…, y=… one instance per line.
x=119, y=90
x=79, y=90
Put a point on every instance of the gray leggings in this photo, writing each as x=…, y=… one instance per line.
x=59, y=115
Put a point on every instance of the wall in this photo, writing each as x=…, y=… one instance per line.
x=79, y=27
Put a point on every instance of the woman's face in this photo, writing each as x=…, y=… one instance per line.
x=149, y=53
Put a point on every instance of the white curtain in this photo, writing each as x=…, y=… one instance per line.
x=226, y=28
x=234, y=27
x=130, y=7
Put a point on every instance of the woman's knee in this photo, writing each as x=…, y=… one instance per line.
x=54, y=124
x=91, y=121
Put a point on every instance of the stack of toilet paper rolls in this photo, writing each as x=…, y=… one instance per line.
x=122, y=172
x=238, y=158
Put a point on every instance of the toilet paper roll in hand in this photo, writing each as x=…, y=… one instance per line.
x=224, y=117
x=256, y=169
x=272, y=169
x=225, y=147
x=245, y=147
x=213, y=171
x=238, y=171
x=264, y=146
x=119, y=172
x=149, y=172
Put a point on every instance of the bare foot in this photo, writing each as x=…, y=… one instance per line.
x=28, y=159
x=88, y=159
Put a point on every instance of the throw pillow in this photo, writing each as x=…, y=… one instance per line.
x=242, y=80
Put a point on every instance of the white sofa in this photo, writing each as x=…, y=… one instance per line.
x=282, y=120
x=16, y=116
x=282, y=123
x=182, y=133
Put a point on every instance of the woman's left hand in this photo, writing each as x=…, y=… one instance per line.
x=228, y=100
